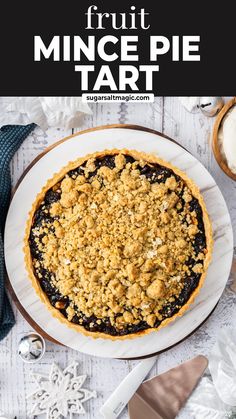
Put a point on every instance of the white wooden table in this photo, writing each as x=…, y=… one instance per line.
x=193, y=131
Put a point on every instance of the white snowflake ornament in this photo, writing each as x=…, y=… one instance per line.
x=61, y=394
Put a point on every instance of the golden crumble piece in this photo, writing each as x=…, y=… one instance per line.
x=169, y=263
x=96, y=184
x=129, y=183
x=144, y=279
x=116, y=288
x=132, y=272
x=55, y=209
x=45, y=240
x=90, y=165
x=145, y=186
x=135, y=173
x=128, y=317
x=89, y=221
x=156, y=289
x=139, y=233
x=59, y=231
x=171, y=183
x=68, y=199
x=110, y=275
x=198, y=268
x=120, y=321
x=159, y=189
x=192, y=230
x=187, y=197
x=134, y=291
x=120, y=161
x=115, y=308
x=165, y=218
x=172, y=200
x=80, y=180
x=95, y=277
x=163, y=249
x=151, y=319
x=107, y=173
x=65, y=286
x=70, y=312
x=67, y=184
x=82, y=200
x=181, y=243
x=132, y=249
x=171, y=235
x=149, y=266
x=143, y=206
x=85, y=188
x=115, y=261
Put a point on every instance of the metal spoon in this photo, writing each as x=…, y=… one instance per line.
x=210, y=106
x=31, y=347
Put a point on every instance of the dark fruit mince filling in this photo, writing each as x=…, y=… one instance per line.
x=154, y=173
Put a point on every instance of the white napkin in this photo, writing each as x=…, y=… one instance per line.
x=222, y=366
x=215, y=396
x=46, y=112
x=206, y=404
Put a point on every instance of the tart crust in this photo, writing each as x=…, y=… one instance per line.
x=148, y=158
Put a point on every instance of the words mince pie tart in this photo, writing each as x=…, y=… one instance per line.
x=118, y=244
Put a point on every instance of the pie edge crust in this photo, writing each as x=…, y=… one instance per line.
x=138, y=155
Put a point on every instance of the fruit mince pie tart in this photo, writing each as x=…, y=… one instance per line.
x=118, y=244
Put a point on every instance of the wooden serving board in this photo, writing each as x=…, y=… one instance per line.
x=120, y=136
x=216, y=147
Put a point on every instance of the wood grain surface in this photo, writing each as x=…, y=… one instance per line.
x=194, y=132
x=215, y=139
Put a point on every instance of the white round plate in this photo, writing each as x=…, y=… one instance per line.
x=90, y=142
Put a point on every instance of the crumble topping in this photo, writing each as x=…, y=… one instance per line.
x=117, y=245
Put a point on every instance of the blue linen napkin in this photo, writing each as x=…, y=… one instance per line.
x=11, y=137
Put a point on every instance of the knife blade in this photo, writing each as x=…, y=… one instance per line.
x=114, y=405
